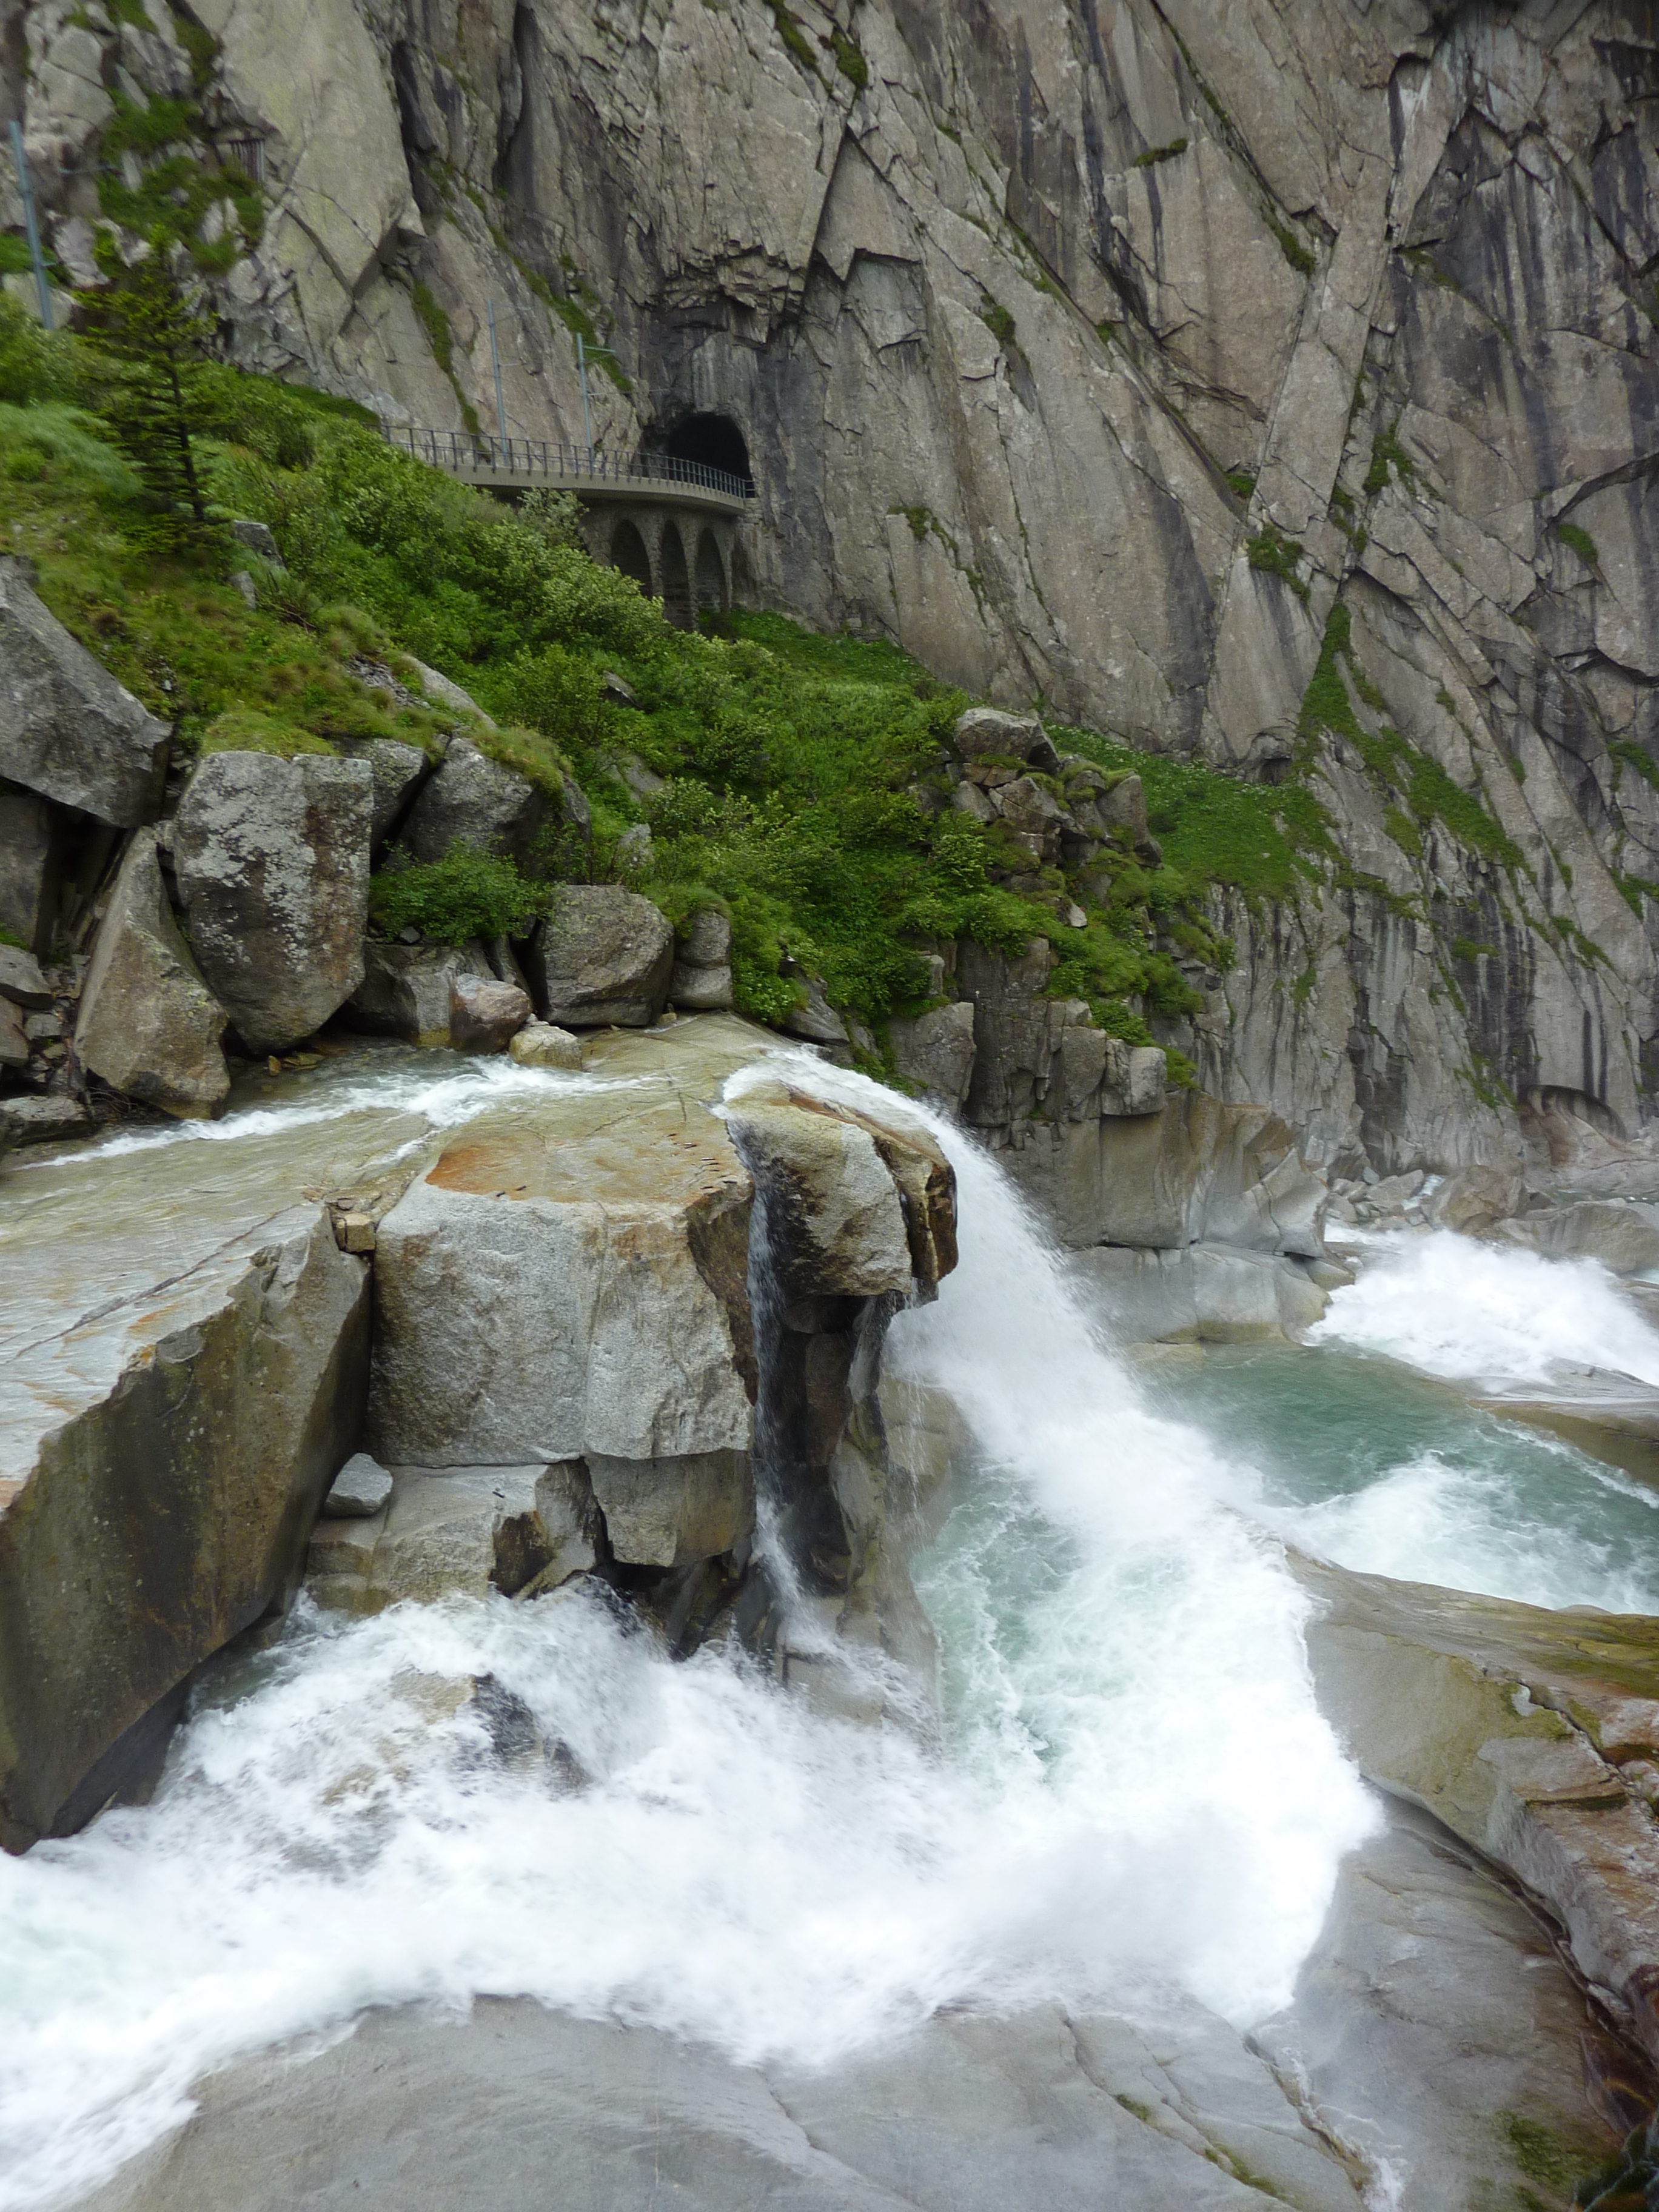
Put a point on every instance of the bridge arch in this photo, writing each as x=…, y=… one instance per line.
x=708, y=579
x=629, y=553
x=715, y=440
x=676, y=583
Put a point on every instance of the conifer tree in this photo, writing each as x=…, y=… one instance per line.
x=153, y=334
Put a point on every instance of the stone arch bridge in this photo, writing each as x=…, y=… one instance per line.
x=670, y=524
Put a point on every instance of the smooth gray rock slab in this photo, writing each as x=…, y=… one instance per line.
x=475, y=801
x=518, y=2105
x=148, y=1023
x=988, y=733
x=31, y=861
x=603, y=956
x=1436, y=2026
x=272, y=858
x=361, y=1487
x=67, y=730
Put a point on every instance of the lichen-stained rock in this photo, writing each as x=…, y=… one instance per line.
x=569, y=1278
x=477, y=802
x=602, y=955
x=397, y=769
x=182, y=1483
x=272, y=858
x=67, y=730
x=1528, y=1733
x=835, y=1222
x=148, y=1023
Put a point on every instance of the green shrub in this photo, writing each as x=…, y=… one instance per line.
x=467, y=894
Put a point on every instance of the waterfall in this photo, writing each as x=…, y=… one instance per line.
x=1132, y=1789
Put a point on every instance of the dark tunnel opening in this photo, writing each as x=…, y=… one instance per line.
x=715, y=441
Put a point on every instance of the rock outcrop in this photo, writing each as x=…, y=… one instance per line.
x=568, y=1285
x=148, y=1023
x=272, y=860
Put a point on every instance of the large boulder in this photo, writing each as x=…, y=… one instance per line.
x=176, y=1450
x=437, y=996
x=834, y=1211
x=477, y=802
x=397, y=769
x=67, y=730
x=701, y=978
x=602, y=955
x=568, y=1281
x=272, y=858
x=31, y=865
x=990, y=733
x=148, y=1023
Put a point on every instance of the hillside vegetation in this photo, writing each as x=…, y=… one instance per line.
x=804, y=780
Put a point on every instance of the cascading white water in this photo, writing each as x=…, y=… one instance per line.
x=1474, y=1313
x=1136, y=1787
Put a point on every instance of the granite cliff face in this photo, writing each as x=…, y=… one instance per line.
x=1273, y=383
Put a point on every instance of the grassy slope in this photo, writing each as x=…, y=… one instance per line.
x=802, y=774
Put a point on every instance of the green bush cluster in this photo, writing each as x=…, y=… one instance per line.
x=466, y=894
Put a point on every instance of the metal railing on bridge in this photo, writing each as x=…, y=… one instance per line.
x=468, y=452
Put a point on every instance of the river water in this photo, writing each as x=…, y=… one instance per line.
x=1133, y=1791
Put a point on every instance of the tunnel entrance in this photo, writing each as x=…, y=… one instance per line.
x=715, y=441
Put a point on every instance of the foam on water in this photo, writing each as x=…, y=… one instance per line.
x=1473, y=1312
x=1135, y=1788
x=407, y=1085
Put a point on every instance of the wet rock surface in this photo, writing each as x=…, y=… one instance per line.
x=966, y=2115
x=1437, y=2037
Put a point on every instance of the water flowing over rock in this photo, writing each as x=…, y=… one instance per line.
x=67, y=730
x=148, y=1023
x=272, y=858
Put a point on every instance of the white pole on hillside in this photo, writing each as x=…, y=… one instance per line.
x=31, y=226
x=495, y=363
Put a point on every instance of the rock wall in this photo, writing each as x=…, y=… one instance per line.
x=1097, y=352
